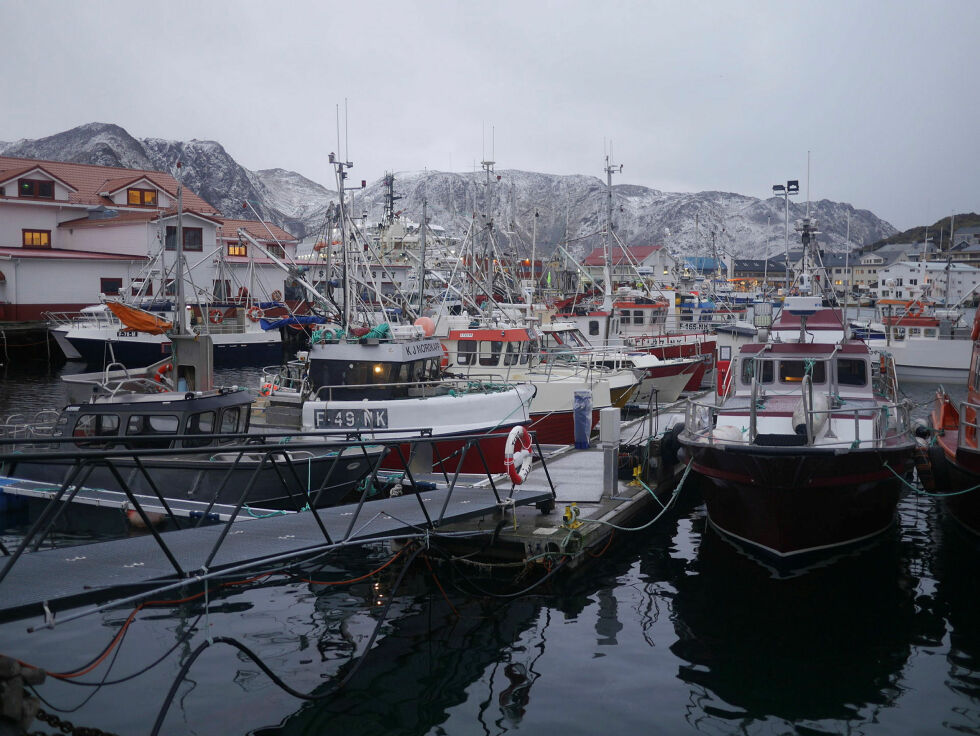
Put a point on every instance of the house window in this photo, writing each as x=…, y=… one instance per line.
x=237, y=249
x=37, y=188
x=141, y=197
x=193, y=238
x=277, y=250
x=110, y=287
x=37, y=238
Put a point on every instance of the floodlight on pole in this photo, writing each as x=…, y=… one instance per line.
x=791, y=188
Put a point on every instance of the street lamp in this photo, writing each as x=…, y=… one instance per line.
x=791, y=188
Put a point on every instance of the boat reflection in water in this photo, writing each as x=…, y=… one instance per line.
x=958, y=600
x=822, y=648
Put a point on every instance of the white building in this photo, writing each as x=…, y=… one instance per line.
x=932, y=280
x=72, y=232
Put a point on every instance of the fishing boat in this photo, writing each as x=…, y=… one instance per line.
x=804, y=448
x=170, y=406
x=106, y=333
x=387, y=383
x=660, y=380
x=928, y=342
x=953, y=457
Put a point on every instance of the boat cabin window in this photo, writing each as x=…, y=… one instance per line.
x=915, y=332
x=232, y=420
x=792, y=371
x=153, y=430
x=929, y=332
x=898, y=333
x=760, y=368
x=466, y=352
x=624, y=317
x=512, y=353
x=852, y=372
x=490, y=352
x=200, y=423
x=95, y=425
x=593, y=327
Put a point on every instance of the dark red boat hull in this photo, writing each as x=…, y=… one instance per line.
x=784, y=502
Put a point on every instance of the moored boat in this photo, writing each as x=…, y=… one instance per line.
x=954, y=455
x=805, y=448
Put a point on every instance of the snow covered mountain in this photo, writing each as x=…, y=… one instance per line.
x=569, y=208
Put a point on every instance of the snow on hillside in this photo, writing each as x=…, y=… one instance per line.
x=571, y=208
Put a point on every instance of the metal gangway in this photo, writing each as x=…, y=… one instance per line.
x=206, y=539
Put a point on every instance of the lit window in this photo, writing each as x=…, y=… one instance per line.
x=37, y=238
x=141, y=197
x=237, y=249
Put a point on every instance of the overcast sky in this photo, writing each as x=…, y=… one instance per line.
x=693, y=95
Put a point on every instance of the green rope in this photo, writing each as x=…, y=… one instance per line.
x=655, y=519
x=254, y=515
x=923, y=491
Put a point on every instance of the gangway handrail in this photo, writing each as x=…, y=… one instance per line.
x=278, y=454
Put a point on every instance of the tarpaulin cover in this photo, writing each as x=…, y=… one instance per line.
x=137, y=319
x=303, y=319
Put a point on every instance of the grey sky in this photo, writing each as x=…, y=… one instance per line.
x=694, y=95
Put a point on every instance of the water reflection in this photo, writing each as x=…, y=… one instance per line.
x=958, y=598
x=826, y=646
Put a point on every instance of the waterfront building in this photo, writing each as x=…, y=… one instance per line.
x=72, y=234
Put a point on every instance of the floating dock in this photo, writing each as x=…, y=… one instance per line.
x=580, y=488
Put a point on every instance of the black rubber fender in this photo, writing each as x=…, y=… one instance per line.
x=670, y=446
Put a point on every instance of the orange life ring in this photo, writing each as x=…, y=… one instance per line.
x=444, y=363
x=520, y=440
x=255, y=313
x=276, y=295
x=216, y=316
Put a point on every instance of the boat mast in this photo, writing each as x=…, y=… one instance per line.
x=178, y=325
x=488, y=251
x=340, y=168
x=607, y=241
x=422, y=228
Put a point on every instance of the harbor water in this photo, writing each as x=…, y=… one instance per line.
x=669, y=630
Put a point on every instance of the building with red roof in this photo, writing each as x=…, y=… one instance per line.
x=71, y=234
x=633, y=263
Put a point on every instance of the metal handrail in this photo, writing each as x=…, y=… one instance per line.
x=273, y=454
x=701, y=418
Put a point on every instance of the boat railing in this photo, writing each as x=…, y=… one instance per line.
x=969, y=432
x=889, y=421
x=23, y=430
x=82, y=319
x=422, y=389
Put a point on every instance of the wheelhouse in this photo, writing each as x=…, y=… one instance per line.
x=782, y=368
x=188, y=421
x=473, y=349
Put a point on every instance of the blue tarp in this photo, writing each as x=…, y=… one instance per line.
x=304, y=319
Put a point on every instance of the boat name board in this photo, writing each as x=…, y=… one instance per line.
x=350, y=418
x=424, y=348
